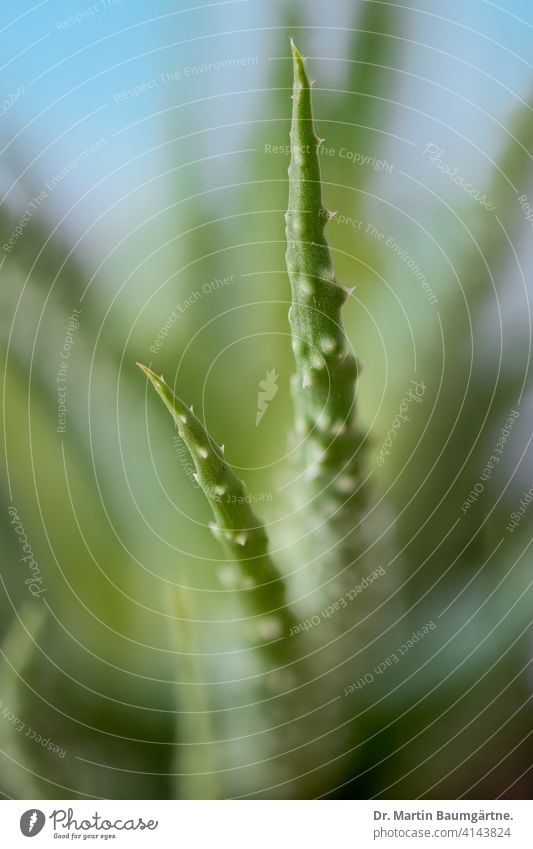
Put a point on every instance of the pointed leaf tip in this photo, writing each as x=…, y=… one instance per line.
x=157, y=380
x=300, y=74
x=151, y=375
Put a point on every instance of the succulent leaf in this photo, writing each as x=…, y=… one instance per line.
x=236, y=525
x=326, y=369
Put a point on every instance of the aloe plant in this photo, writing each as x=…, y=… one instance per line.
x=324, y=383
x=231, y=681
x=309, y=728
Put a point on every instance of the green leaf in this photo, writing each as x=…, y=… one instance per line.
x=236, y=525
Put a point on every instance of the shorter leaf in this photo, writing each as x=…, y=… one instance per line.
x=236, y=525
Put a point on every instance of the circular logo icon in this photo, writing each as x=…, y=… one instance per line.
x=32, y=822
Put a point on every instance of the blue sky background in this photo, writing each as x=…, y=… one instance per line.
x=73, y=70
x=69, y=72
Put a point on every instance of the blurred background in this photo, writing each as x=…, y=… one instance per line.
x=143, y=174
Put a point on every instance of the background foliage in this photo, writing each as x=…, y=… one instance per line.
x=182, y=193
